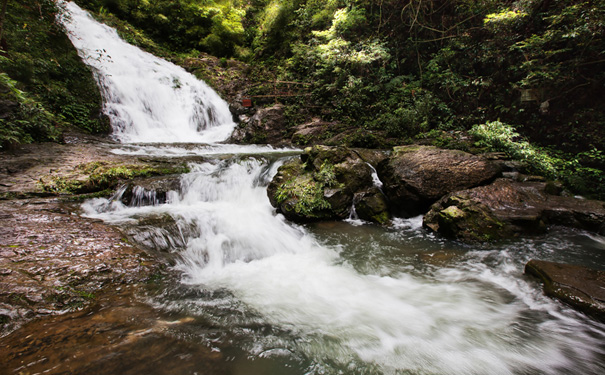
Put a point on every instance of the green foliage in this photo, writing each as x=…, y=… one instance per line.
x=574, y=170
x=27, y=121
x=43, y=81
x=213, y=26
x=307, y=191
x=502, y=137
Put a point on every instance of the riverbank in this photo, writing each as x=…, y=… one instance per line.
x=54, y=261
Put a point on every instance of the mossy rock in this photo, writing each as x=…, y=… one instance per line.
x=465, y=220
x=320, y=185
x=371, y=205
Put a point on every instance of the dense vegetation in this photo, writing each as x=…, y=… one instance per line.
x=44, y=86
x=386, y=72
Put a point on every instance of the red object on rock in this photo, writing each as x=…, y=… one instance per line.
x=247, y=102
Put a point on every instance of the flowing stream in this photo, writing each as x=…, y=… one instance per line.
x=325, y=298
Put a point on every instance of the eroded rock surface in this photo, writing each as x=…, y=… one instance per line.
x=580, y=287
x=414, y=177
x=324, y=183
x=507, y=208
x=52, y=261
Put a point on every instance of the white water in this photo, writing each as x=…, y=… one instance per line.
x=146, y=98
x=475, y=315
x=470, y=319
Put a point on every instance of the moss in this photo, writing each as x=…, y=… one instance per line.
x=99, y=176
x=304, y=196
x=382, y=218
x=400, y=150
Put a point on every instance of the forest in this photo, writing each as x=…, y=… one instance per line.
x=522, y=77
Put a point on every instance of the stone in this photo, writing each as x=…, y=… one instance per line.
x=582, y=288
x=310, y=133
x=371, y=205
x=149, y=191
x=507, y=208
x=415, y=177
x=266, y=126
x=322, y=184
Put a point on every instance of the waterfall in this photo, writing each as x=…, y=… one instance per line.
x=147, y=99
x=340, y=299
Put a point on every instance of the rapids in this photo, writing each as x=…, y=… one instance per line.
x=325, y=298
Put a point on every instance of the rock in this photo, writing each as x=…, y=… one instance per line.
x=265, y=126
x=414, y=177
x=61, y=265
x=311, y=133
x=372, y=157
x=322, y=185
x=371, y=205
x=507, y=208
x=149, y=191
x=580, y=287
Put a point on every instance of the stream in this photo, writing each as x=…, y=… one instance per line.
x=325, y=298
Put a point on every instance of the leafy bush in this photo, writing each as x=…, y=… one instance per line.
x=574, y=170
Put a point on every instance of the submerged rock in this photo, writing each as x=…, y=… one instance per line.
x=506, y=208
x=324, y=183
x=414, y=177
x=580, y=287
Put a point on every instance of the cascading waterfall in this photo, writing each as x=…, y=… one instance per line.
x=147, y=99
x=342, y=300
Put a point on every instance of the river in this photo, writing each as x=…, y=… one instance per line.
x=325, y=298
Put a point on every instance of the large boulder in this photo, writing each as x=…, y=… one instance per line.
x=580, y=287
x=324, y=183
x=507, y=207
x=266, y=126
x=414, y=177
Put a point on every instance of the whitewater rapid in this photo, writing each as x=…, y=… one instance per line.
x=467, y=319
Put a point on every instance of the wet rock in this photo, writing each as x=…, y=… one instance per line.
x=507, y=208
x=52, y=261
x=266, y=126
x=372, y=157
x=580, y=287
x=371, y=205
x=322, y=185
x=119, y=335
x=414, y=177
x=149, y=191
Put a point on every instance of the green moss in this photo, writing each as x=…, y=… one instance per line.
x=305, y=194
x=382, y=218
x=100, y=176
